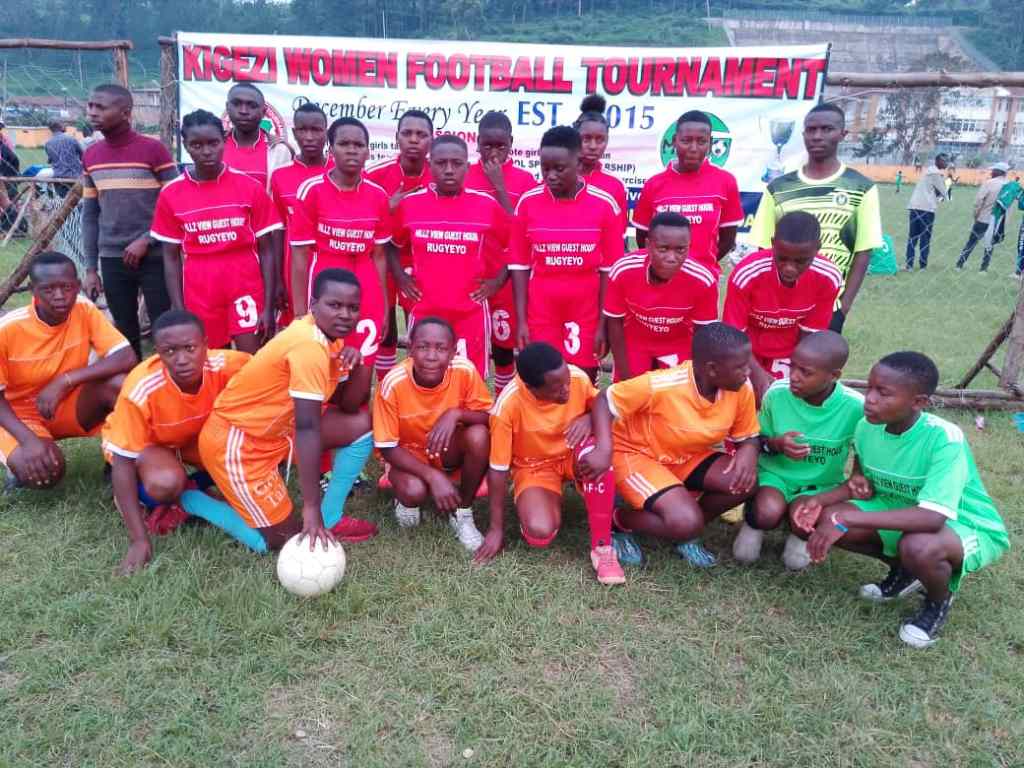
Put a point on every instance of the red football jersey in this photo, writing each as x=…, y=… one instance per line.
x=221, y=217
x=343, y=225
x=773, y=314
x=447, y=237
x=389, y=174
x=559, y=239
x=517, y=181
x=284, y=186
x=709, y=198
x=610, y=184
x=660, y=316
x=252, y=161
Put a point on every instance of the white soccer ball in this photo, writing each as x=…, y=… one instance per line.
x=308, y=574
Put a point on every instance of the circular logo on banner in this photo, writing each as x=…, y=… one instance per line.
x=272, y=122
x=840, y=198
x=721, y=142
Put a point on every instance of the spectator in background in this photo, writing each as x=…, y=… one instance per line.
x=123, y=176
x=64, y=155
x=10, y=165
x=4, y=138
x=951, y=181
x=1020, y=238
x=930, y=189
x=985, y=224
x=899, y=181
x=89, y=137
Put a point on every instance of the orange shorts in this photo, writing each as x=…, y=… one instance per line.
x=63, y=424
x=187, y=454
x=639, y=477
x=245, y=470
x=550, y=477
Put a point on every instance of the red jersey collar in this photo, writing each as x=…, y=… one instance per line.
x=672, y=167
x=261, y=141
x=579, y=192
x=194, y=180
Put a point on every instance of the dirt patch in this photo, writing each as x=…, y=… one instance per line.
x=620, y=671
x=439, y=748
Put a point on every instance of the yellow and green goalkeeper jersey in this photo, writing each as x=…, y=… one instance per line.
x=845, y=204
x=930, y=466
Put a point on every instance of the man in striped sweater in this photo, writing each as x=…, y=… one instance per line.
x=123, y=176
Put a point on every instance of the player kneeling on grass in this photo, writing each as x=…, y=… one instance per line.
x=668, y=425
x=154, y=430
x=302, y=393
x=807, y=425
x=48, y=388
x=541, y=431
x=779, y=295
x=430, y=421
x=919, y=505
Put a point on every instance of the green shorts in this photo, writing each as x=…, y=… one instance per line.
x=980, y=548
x=788, y=490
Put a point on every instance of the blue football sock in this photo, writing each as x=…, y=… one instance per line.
x=348, y=463
x=221, y=514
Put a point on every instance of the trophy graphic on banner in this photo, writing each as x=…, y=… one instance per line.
x=781, y=131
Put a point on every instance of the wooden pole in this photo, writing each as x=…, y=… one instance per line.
x=29, y=195
x=17, y=277
x=991, y=349
x=925, y=79
x=1014, y=348
x=65, y=45
x=121, y=66
x=168, y=94
x=973, y=399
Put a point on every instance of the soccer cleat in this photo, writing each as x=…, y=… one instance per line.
x=606, y=564
x=353, y=529
x=899, y=583
x=746, y=547
x=695, y=554
x=165, y=518
x=465, y=529
x=795, y=555
x=627, y=551
x=922, y=630
x=11, y=483
x=407, y=517
x=325, y=480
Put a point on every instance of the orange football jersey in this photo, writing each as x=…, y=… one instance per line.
x=151, y=410
x=527, y=432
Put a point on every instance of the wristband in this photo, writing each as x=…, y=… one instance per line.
x=766, y=446
x=839, y=526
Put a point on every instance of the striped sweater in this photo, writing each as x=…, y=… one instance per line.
x=123, y=177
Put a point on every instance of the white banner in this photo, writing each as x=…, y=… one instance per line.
x=756, y=97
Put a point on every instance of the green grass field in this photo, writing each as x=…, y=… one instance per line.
x=420, y=659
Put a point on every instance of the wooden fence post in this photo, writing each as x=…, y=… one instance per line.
x=168, y=93
x=1010, y=374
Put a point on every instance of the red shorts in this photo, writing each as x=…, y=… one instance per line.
x=643, y=359
x=565, y=319
x=503, y=317
x=367, y=334
x=778, y=367
x=472, y=332
x=226, y=293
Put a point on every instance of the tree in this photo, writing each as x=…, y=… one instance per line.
x=871, y=143
x=914, y=117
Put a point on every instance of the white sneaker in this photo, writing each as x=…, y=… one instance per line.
x=407, y=517
x=465, y=529
x=795, y=555
x=746, y=547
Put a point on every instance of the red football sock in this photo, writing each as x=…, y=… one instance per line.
x=387, y=357
x=599, y=499
x=503, y=374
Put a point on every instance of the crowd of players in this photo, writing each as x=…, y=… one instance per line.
x=300, y=262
